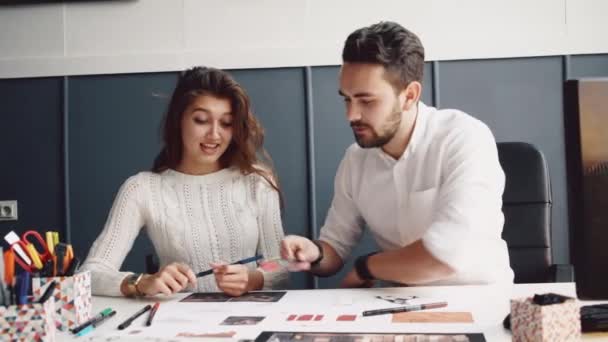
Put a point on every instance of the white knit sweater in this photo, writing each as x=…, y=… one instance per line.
x=196, y=220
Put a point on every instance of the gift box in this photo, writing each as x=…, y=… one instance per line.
x=72, y=298
x=28, y=322
x=553, y=322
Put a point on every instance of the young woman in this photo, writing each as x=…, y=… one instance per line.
x=208, y=202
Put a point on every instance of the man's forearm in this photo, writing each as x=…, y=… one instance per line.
x=413, y=264
x=330, y=264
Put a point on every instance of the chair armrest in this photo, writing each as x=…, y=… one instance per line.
x=562, y=273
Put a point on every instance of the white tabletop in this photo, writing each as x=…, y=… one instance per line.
x=488, y=304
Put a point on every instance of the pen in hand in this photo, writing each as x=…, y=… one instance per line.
x=244, y=261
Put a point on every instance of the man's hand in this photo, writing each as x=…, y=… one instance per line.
x=352, y=280
x=299, y=251
x=170, y=279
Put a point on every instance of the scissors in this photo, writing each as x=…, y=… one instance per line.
x=29, y=258
x=19, y=247
x=32, y=251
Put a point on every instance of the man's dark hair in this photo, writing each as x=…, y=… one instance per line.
x=391, y=45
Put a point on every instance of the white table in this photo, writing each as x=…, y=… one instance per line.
x=488, y=305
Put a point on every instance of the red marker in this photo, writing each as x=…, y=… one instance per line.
x=152, y=313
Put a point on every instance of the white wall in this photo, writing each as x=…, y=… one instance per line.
x=164, y=35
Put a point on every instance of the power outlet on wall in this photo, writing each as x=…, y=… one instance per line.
x=8, y=211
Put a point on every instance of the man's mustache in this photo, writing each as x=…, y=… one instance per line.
x=359, y=124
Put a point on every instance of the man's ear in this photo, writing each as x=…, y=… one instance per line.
x=410, y=95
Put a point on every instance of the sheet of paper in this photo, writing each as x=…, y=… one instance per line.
x=295, y=311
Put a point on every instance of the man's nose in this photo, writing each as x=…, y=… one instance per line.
x=353, y=113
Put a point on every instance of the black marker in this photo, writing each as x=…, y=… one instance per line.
x=134, y=317
x=98, y=317
x=72, y=268
x=405, y=308
x=48, y=292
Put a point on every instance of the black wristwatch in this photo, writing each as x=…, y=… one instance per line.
x=361, y=267
x=320, y=257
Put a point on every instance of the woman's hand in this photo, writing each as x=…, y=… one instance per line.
x=170, y=279
x=236, y=280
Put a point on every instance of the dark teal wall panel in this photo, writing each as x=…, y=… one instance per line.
x=588, y=66
x=31, y=166
x=114, y=132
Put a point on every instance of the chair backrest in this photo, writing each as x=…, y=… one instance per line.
x=527, y=210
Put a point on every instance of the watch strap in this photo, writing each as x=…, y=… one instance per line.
x=320, y=257
x=361, y=267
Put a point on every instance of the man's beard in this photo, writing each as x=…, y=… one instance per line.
x=385, y=134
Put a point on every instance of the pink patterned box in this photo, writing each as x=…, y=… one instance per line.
x=72, y=296
x=29, y=322
x=551, y=323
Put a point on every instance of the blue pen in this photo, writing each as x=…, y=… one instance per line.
x=241, y=262
x=23, y=280
x=94, y=325
x=26, y=287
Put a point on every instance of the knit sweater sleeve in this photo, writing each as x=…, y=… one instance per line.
x=109, y=250
x=270, y=233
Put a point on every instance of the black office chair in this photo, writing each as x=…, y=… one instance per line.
x=527, y=210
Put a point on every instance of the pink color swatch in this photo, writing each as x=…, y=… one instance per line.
x=345, y=318
x=269, y=266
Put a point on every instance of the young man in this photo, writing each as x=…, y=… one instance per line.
x=427, y=182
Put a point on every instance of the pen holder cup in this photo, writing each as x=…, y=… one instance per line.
x=29, y=322
x=531, y=322
x=72, y=298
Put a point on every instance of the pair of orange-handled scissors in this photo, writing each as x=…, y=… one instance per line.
x=38, y=258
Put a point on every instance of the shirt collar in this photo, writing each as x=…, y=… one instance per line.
x=419, y=128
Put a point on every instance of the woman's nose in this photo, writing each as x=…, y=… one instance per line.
x=214, y=132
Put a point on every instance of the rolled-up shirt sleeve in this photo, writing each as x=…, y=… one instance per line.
x=468, y=208
x=343, y=225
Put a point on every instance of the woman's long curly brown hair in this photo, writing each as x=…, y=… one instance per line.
x=245, y=152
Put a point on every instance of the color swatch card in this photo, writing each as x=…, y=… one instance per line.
x=432, y=317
